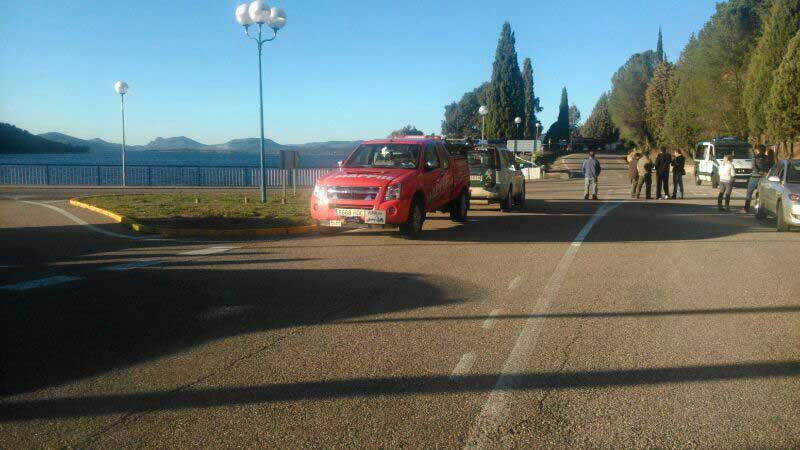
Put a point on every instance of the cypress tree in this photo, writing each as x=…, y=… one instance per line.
x=560, y=129
x=506, y=99
x=531, y=102
x=656, y=99
x=783, y=112
x=780, y=25
x=660, y=47
x=599, y=126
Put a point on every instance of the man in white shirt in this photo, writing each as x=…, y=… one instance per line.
x=726, y=176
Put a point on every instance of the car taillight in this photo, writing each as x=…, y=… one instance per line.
x=794, y=197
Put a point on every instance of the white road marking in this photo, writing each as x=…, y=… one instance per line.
x=82, y=222
x=489, y=323
x=207, y=251
x=24, y=286
x=130, y=266
x=514, y=283
x=463, y=366
x=495, y=409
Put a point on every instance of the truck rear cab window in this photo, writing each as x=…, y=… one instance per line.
x=443, y=156
x=482, y=157
x=431, y=157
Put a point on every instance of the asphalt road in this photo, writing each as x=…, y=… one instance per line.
x=570, y=324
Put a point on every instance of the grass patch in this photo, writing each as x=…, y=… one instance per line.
x=209, y=210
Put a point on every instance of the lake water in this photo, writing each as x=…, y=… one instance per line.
x=152, y=158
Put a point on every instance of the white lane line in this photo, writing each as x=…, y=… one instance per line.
x=130, y=266
x=82, y=222
x=463, y=366
x=207, y=251
x=24, y=286
x=514, y=283
x=491, y=320
x=495, y=409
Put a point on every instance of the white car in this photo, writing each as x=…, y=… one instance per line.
x=778, y=195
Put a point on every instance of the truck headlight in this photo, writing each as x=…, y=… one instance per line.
x=320, y=194
x=392, y=192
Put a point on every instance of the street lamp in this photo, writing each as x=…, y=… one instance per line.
x=517, y=121
x=483, y=111
x=121, y=88
x=538, y=126
x=258, y=12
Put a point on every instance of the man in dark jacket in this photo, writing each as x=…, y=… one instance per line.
x=591, y=170
x=678, y=171
x=762, y=164
x=663, y=163
x=633, y=172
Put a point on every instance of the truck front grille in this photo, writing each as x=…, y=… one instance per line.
x=353, y=193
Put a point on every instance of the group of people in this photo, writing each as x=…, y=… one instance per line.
x=641, y=167
x=640, y=173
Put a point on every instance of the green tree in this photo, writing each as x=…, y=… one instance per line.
x=599, y=125
x=660, y=47
x=783, y=113
x=531, y=101
x=461, y=119
x=408, y=130
x=574, y=118
x=656, y=99
x=709, y=76
x=781, y=23
x=626, y=101
x=560, y=129
x=506, y=92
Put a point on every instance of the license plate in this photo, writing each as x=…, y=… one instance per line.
x=350, y=212
x=334, y=223
x=475, y=178
x=375, y=217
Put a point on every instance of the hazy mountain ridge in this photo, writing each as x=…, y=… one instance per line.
x=15, y=140
x=185, y=144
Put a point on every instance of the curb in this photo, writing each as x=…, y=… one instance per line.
x=193, y=232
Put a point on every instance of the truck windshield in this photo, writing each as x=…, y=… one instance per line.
x=481, y=157
x=398, y=156
x=738, y=152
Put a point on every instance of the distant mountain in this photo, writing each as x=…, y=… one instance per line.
x=15, y=140
x=185, y=144
x=175, y=143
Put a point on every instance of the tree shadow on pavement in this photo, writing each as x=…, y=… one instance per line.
x=87, y=406
x=113, y=320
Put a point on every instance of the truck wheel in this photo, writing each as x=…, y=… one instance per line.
x=760, y=212
x=413, y=225
x=459, y=208
x=697, y=180
x=780, y=221
x=507, y=204
x=714, y=181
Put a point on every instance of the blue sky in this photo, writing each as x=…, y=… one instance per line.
x=339, y=70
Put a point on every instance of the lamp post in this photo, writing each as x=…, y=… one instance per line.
x=483, y=111
x=260, y=13
x=121, y=88
x=538, y=126
x=517, y=121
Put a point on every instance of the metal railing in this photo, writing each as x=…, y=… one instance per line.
x=200, y=176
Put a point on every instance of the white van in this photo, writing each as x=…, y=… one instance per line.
x=708, y=156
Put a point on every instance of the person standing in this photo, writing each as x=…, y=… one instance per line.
x=591, y=170
x=663, y=163
x=726, y=176
x=633, y=172
x=678, y=171
x=644, y=167
x=762, y=164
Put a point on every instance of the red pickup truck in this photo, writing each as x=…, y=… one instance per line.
x=392, y=183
